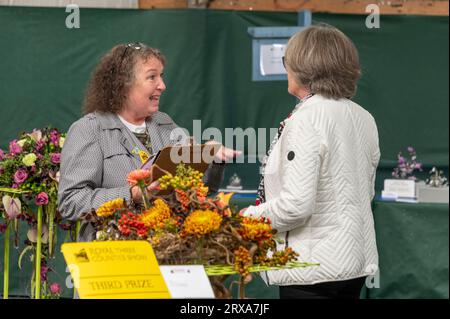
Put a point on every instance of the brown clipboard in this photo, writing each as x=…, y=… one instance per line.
x=199, y=157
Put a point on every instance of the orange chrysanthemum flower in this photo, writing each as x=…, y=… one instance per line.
x=138, y=175
x=156, y=216
x=201, y=222
x=256, y=229
x=109, y=208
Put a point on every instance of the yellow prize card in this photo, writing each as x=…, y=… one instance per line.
x=115, y=269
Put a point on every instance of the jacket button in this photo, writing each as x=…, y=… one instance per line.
x=290, y=155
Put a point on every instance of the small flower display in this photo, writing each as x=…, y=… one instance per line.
x=29, y=177
x=407, y=166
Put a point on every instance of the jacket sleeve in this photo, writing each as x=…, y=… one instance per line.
x=80, y=187
x=214, y=176
x=298, y=170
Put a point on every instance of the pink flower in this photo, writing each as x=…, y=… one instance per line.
x=2, y=155
x=20, y=176
x=55, y=158
x=55, y=289
x=14, y=148
x=13, y=206
x=36, y=135
x=41, y=199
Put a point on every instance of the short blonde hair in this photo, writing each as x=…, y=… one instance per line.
x=324, y=61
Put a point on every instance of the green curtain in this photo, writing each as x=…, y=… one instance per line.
x=45, y=67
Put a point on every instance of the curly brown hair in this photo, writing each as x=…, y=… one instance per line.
x=113, y=76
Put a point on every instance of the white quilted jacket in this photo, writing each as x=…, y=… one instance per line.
x=319, y=184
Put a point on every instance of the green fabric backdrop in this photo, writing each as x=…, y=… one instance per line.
x=45, y=67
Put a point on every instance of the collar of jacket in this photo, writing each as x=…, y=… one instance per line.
x=110, y=121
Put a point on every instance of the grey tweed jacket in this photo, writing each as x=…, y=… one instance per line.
x=99, y=152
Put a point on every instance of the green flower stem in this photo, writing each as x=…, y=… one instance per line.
x=37, y=294
x=241, y=287
x=6, y=261
x=200, y=250
x=51, y=228
x=16, y=233
x=144, y=194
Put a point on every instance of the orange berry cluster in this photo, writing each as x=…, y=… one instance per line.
x=129, y=225
x=282, y=257
x=182, y=198
x=242, y=261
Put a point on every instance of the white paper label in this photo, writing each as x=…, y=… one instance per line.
x=400, y=187
x=270, y=61
x=187, y=281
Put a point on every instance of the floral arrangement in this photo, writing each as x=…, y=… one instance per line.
x=406, y=166
x=188, y=227
x=29, y=176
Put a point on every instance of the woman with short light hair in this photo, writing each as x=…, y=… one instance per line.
x=317, y=181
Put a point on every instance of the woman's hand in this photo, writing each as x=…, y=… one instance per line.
x=137, y=194
x=224, y=153
x=242, y=211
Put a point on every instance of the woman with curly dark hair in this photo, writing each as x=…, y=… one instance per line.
x=121, y=127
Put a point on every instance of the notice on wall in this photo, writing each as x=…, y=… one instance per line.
x=270, y=61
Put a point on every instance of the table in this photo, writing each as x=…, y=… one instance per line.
x=412, y=243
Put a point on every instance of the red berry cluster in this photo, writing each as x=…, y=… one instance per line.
x=129, y=225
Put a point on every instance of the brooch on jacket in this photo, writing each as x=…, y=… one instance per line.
x=143, y=155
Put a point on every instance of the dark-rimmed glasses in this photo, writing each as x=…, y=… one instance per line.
x=134, y=45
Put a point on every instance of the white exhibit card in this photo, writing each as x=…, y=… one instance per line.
x=400, y=187
x=270, y=61
x=187, y=281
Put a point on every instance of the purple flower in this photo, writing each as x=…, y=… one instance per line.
x=41, y=199
x=401, y=160
x=44, y=271
x=55, y=289
x=20, y=176
x=14, y=185
x=14, y=148
x=54, y=137
x=39, y=145
x=411, y=149
x=418, y=166
x=55, y=158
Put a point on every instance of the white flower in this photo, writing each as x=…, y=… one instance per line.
x=22, y=142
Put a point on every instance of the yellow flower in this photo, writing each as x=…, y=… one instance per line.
x=201, y=222
x=143, y=156
x=156, y=216
x=109, y=208
x=29, y=159
x=256, y=229
x=61, y=141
